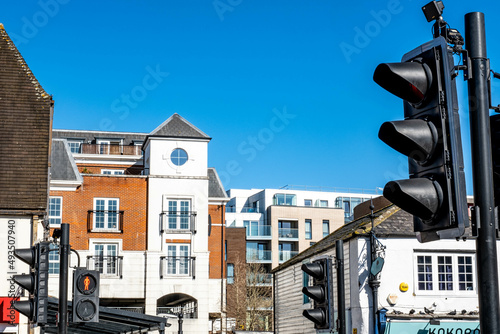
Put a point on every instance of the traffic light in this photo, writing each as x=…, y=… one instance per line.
x=495, y=150
x=36, y=282
x=320, y=292
x=430, y=137
x=85, y=295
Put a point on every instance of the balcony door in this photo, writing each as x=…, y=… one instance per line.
x=106, y=258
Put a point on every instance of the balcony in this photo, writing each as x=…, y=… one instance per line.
x=259, y=232
x=288, y=233
x=105, y=221
x=177, y=266
x=110, y=149
x=178, y=222
x=188, y=311
x=254, y=255
x=259, y=279
x=109, y=266
x=287, y=255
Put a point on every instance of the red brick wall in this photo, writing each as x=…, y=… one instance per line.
x=216, y=242
x=132, y=194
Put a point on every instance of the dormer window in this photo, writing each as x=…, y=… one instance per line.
x=179, y=157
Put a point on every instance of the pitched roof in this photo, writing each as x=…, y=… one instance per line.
x=215, y=187
x=62, y=163
x=26, y=112
x=177, y=127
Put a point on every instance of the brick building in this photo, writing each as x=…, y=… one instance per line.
x=146, y=211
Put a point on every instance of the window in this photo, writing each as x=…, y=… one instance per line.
x=305, y=283
x=285, y=199
x=112, y=171
x=326, y=228
x=308, y=202
x=308, y=229
x=55, y=211
x=178, y=260
x=179, y=214
x=323, y=203
x=230, y=273
x=106, y=259
x=53, y=259
x=111, y=146
x=444, y=272
x=179, y=157
x=106, y=213
x=75, y=146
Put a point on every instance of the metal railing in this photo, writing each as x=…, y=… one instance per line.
x=188, y=312
x=106, y=265
x=258, y=255
x=287, y=255
x=178, y=221
x=245, y=209
x=288, y=233
x=110, y=149
x=113, y=221
x=174, y=266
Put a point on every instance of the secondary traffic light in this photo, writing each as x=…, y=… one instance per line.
x=36, y=282
x=430, y=137
x=320, y=292
x=85, y=295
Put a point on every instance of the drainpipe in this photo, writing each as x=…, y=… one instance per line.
x=222, y=267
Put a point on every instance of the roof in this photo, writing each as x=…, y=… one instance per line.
x=177, y=127
x=90, y=137
x=111, y=321
x=62, y=163
x=215, y=187
x=25, y=129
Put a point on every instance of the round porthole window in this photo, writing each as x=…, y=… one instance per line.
x=179, y=157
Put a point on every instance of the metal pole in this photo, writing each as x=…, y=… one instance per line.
x=180, y=322
x=475, y=38
x=64, y=249
x=339, y=245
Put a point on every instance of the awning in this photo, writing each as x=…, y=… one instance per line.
x=111, y=321
x=437, y=327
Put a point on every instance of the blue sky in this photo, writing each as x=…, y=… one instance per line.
x=283, y=87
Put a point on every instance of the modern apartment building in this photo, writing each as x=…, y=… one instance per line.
x=147, y=213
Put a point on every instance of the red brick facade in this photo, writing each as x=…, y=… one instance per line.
x=131, y=192
x=216, y=241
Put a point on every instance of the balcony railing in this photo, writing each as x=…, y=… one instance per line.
x=111, y=149
x=287, y=255
x=259, y=279
x=112, y=221
x=288, y=233
x=187, y=312
x=178, y=222
x=106, y=265
x=259, y=231
x=258, y=255
x=243, y=210
x=175, y=266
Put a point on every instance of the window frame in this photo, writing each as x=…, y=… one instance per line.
x=112, y=171
x=437, y=278
x=54, y=260
x=177, y=157
x=308, y=234
x=71, y=146
x=50, y=216
x=179, y=213
x=230, y=273
x=327, y=223
x=106, y=210
x=105, y=264
x=177, y=266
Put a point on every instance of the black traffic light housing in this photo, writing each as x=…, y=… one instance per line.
x=320, y=292
x=36, y=282
x=430, y=136
x=85, y=295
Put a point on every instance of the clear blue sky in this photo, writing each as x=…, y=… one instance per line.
x=283, y=87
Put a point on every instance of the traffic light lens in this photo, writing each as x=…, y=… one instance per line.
x=409, y=81
x=420, y=197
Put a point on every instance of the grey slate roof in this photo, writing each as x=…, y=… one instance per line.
x=63, y=166
x=25, y=112
x=215, y=187
x=176, y=126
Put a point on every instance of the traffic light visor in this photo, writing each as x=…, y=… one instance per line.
x=409, y=81
x=421, y=197
x=315, y=270
x=316, y=315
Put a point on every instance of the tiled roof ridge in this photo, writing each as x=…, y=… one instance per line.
x=40, y=92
